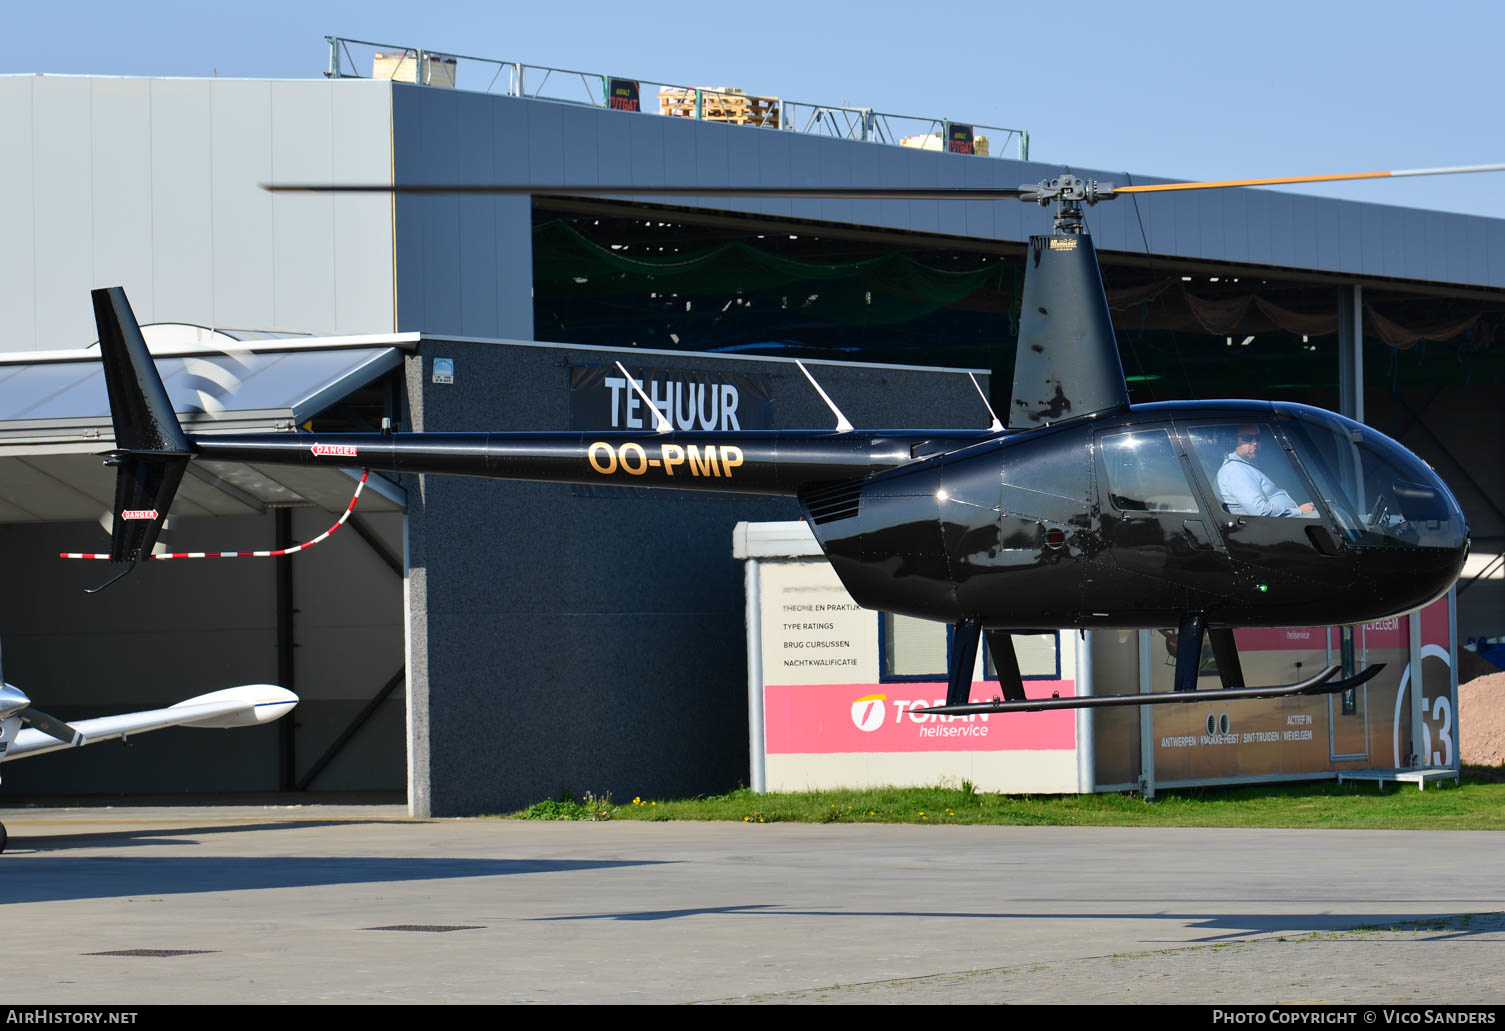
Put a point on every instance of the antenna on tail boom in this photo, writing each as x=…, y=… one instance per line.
x=660, y=421
x=842, y=425
x=996, y=426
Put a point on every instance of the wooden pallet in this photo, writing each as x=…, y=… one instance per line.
x=719, y=105
x=402, y=66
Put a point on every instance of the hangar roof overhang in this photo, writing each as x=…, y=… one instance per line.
x=55, y=420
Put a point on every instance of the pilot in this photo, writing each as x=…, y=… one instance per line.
x=1246, y=490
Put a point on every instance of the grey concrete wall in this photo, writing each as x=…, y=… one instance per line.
x=153, y=184
x=593, y=644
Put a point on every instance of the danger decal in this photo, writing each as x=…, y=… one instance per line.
x=336, y=450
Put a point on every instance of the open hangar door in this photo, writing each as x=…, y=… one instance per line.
x=327, y=622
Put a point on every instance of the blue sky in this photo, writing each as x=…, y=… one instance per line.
x=1189, y=90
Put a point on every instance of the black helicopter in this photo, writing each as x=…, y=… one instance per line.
x=1084, y=512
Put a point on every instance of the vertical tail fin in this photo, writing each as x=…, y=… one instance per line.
x=151, y=450
x=1068, y=364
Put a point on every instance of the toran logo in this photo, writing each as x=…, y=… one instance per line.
x=342, y=450
x=868, y=712
x=139, y=513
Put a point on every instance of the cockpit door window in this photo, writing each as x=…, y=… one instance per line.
x=1267, y=510
x=1155, y=525
x=1144, y=474
x=1249, y=471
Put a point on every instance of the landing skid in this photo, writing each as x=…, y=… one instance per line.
x=1322, y=683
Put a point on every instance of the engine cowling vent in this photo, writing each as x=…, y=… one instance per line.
x=830, y=504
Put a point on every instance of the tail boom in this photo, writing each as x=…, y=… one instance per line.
x=771, y=462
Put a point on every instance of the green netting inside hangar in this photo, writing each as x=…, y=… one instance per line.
x=659, y=280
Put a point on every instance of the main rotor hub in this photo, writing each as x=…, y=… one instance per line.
x=1069, y=193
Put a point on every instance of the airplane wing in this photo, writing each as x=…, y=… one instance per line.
x=244, y=706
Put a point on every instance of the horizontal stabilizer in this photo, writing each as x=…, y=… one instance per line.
x=1322, y=683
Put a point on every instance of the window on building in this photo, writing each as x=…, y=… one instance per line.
x=1039, y=657
x=920, y=649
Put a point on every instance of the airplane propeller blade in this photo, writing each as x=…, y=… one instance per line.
x=51, y=726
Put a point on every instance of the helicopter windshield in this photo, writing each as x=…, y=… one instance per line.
x=1379, y=493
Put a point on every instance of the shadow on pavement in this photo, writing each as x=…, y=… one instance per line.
x=43, y=878
x=1231, y=925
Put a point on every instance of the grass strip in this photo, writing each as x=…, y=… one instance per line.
x=1476, y=803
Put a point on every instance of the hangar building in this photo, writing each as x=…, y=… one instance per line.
x=481, y=645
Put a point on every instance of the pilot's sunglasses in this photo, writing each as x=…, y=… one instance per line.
x=1247, y=438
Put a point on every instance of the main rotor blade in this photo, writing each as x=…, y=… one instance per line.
x=807, y=192
x=1226, y=183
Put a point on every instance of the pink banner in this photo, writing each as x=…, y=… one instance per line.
x=1394, y=633
x=1382, y=633
x=1282, y=639
x=856, y=718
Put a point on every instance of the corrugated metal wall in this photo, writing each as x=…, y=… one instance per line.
x=153, y=184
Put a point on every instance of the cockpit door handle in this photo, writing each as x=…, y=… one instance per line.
x=1197, y=531
x=1322, y=540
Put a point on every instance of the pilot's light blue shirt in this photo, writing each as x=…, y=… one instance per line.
x=1247, y=491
